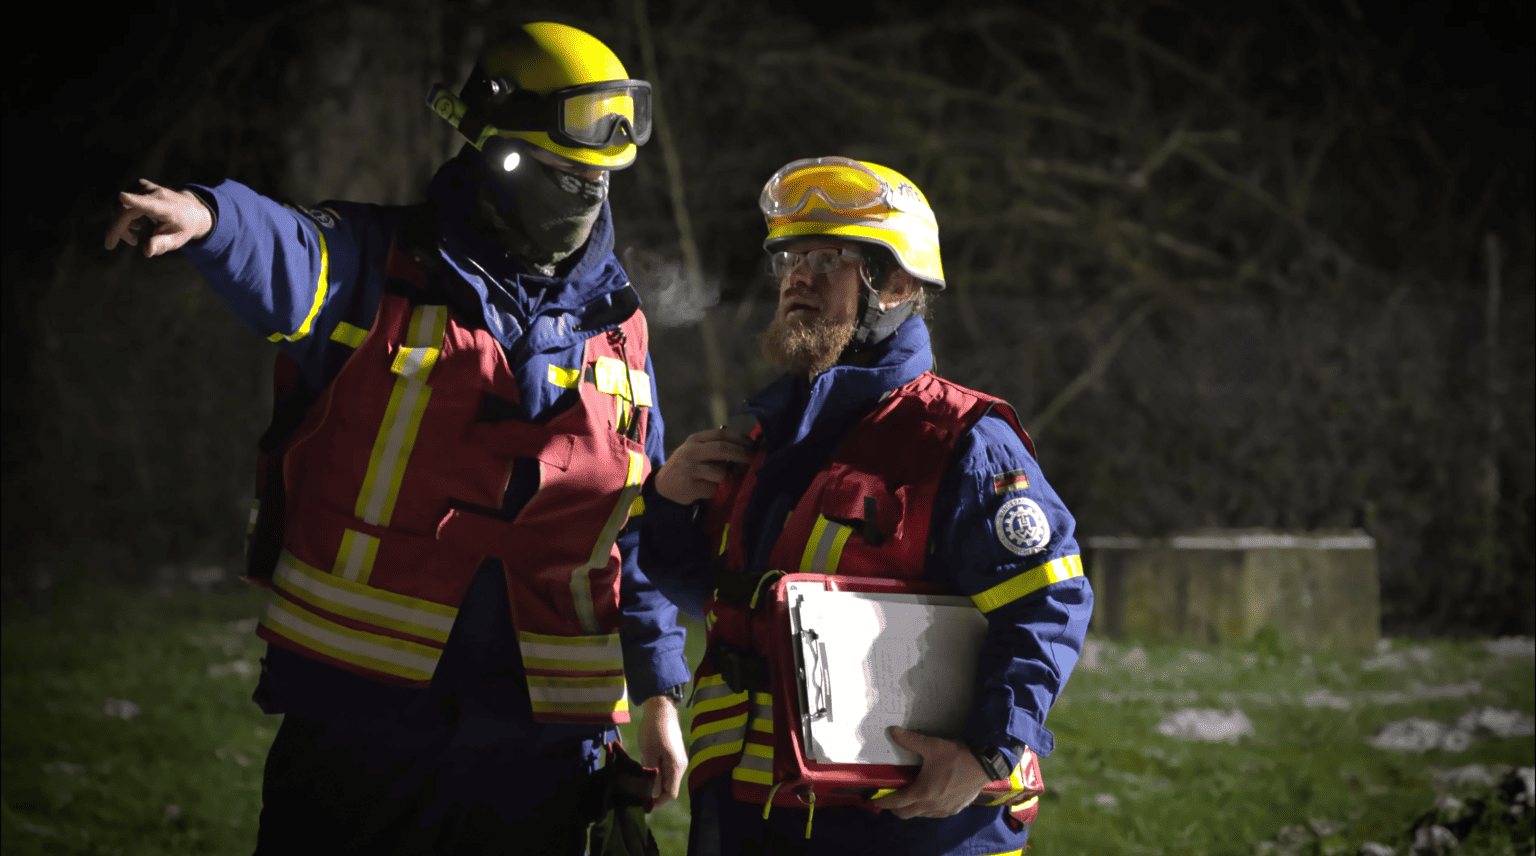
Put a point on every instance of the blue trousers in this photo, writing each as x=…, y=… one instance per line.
x=334, y=790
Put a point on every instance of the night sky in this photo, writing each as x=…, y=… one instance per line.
x=84, y=91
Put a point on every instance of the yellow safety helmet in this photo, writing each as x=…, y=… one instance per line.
x=557, y=88
x=856, y=200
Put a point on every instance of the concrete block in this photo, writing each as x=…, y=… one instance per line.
x=1316, y=589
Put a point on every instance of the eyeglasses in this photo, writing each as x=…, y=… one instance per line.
x=821, y=260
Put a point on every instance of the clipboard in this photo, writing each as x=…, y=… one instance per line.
x=844, y=680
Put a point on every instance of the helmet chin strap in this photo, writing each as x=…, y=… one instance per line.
x=875, y=324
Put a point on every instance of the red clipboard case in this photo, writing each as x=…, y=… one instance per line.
x=852, y=784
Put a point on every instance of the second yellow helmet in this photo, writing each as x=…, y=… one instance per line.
x=856, y=200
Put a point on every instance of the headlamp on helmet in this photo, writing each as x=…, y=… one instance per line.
x=554, y=87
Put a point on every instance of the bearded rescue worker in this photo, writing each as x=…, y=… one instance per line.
x=470, y=414
x=867, y=464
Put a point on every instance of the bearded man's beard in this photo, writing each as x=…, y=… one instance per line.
x=806, y=347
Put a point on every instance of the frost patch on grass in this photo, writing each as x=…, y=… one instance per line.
x=1421, y=735
x=239, y=668
x=1511, y=646
x=1465, y=776
x=1397, y=661
x=1492, y=722
x=1418, y=692
x=1433, y=841
x=1324, y=698
x=1209, y=725
x=1418, y=735
x=225, y=753
x=118, y=708
x=1135, y=660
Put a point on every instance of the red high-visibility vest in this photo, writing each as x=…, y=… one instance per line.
x=393, y=482
x=867, y=513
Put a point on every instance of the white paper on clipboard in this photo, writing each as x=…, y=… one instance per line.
x=870, y=660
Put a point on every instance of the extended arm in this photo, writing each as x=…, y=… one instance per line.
x=289, y=274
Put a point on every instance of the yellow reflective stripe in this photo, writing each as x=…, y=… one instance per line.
x=641, y=383
x=1009, y=853
x=755, y=776
x=577, y=686
x=717, y=703
x=602, y=640
x=348, y=335
x=322, y=285
x=637, y=507
x=555, y=693
x=756, y=764
x=762, y=713
x=415, y=363
x=402, y=419
x=354, y=561
x=589, y=653
x=386, y=465
x=725, y=535
x=699, y=756
x=609, y=374
x=384, y=654
x=375, y=606
x=825, y=548
x=603, y=707
x=1034, y=579
x=581, y=578
x=808, y=558
x=564, y=378
x=1015, y=781
x=737, y=723
x=758, y=750
x=612, y=376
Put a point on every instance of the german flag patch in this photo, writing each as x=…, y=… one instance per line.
x=1009, y=481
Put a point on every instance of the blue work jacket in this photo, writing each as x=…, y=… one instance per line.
x=293, y=275
x=1033, y=640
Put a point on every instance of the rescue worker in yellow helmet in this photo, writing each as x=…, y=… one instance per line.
x=465, y=413
x=864, y=463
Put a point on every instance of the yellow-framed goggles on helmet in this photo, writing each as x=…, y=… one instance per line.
x=842, y=185
x=588, y=116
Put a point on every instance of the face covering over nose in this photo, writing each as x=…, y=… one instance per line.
x=539, y=213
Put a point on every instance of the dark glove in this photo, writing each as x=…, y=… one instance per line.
x=620, y=830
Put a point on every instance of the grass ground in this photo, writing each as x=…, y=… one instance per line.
x=181, y=774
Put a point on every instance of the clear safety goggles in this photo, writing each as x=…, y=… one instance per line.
x=841, y=183
x=822, y=260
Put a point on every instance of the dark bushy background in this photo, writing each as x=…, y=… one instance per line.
x=1269, y=266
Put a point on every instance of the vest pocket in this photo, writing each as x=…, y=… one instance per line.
x=866, y=504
